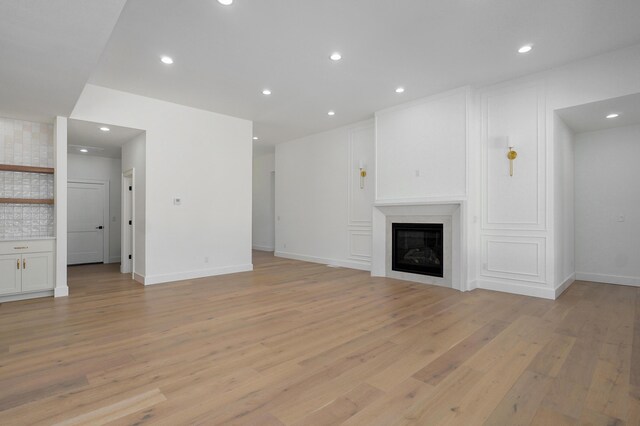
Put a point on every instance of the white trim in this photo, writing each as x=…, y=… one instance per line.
x=362, y=266
x=517, y=288
x=201, y=273
x=565, y=285
x=60, y=206
x=114, y=259
x=106, y=215
x=137, y=277
x=61, y=291
x=608, y=279
x=262, y=248
x=35, y=295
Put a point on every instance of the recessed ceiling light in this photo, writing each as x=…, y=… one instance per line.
x=225, y=2
x=84, y=150
x=525, y=49
x=104, y=129
x=335, y=56
x=255, y=138
x=400, y=90
x=167, y=60
x=614, y=115
x=266, y=92
x=331, y=113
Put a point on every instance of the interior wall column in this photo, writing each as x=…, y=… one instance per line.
x=60, y=206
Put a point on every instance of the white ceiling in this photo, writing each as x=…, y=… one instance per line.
x=48, y=49
x=592, y=116
x=85, y=134
x=225, y=56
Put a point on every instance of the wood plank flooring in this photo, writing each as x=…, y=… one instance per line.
x=297, y=343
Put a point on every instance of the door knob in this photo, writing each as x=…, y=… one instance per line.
x=99, y=227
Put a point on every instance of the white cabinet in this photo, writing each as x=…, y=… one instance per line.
x=26, y=267
x=10, y=273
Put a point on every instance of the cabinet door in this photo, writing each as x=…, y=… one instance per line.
x=10, y=269
x=37, y=271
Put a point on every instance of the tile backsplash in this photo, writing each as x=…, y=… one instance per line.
x=26, y=144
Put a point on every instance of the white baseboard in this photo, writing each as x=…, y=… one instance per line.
x=608, y=279
x=522, y=289
x=25, y=296
x=565, y=285
x=263, y=248
x=61, y=291
x=201, y=273
x=138, y=277
x=471, y=285
x=114, y=259
x=364, y=266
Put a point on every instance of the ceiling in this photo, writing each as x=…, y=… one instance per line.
x=48, y=50
x=87, y=135
x=226, y=55
x=592, y=116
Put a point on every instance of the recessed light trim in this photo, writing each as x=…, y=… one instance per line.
x=526, y=48
x=613, y=115
x=255, y=138
x=266, y=92
x=331, y=113
x=84, y=150
x=400, y=90
x=167, y=60
x=225, y=2
x=105, y=129
x=335, y=56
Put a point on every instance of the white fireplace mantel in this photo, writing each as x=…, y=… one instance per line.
x=448, y=211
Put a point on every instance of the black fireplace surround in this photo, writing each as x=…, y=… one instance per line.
x=418, y=248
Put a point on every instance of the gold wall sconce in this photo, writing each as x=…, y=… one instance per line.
x=511, y=155
x=363, y=174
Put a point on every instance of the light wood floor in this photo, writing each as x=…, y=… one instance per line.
x=297, y=343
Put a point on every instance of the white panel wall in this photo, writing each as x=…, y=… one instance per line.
x=513, y=234
x=134, y=157
x=607, y=200
x=322, y=214
x=421, y=148
x=105, y=169
x=203, y=158
x=264, y=202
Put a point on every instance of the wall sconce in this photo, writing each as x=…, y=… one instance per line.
x=363, y=174
x=511, y=155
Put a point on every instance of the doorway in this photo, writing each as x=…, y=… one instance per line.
x=87, y=222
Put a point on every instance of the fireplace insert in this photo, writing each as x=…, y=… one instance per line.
x=418, y=248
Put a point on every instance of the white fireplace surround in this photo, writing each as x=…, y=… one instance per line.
x=446, y=213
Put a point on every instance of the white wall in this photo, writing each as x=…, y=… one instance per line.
x=563, y=151
x=263, y=225
x=105, y=169
x=608, y=205
x=203, y=158
x=322, y=215
x=421, y=148
x=134, y=157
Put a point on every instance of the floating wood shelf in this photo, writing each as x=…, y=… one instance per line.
x=26, y=200
x=26, y=169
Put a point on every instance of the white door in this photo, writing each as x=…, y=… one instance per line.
x=85, y=223
x=126, y=265
x=10, y=269
x=37, y=271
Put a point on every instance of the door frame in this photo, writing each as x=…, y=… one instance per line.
x=126, y=175
x=106, y=213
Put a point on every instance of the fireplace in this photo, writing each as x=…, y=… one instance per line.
x=418, y=248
